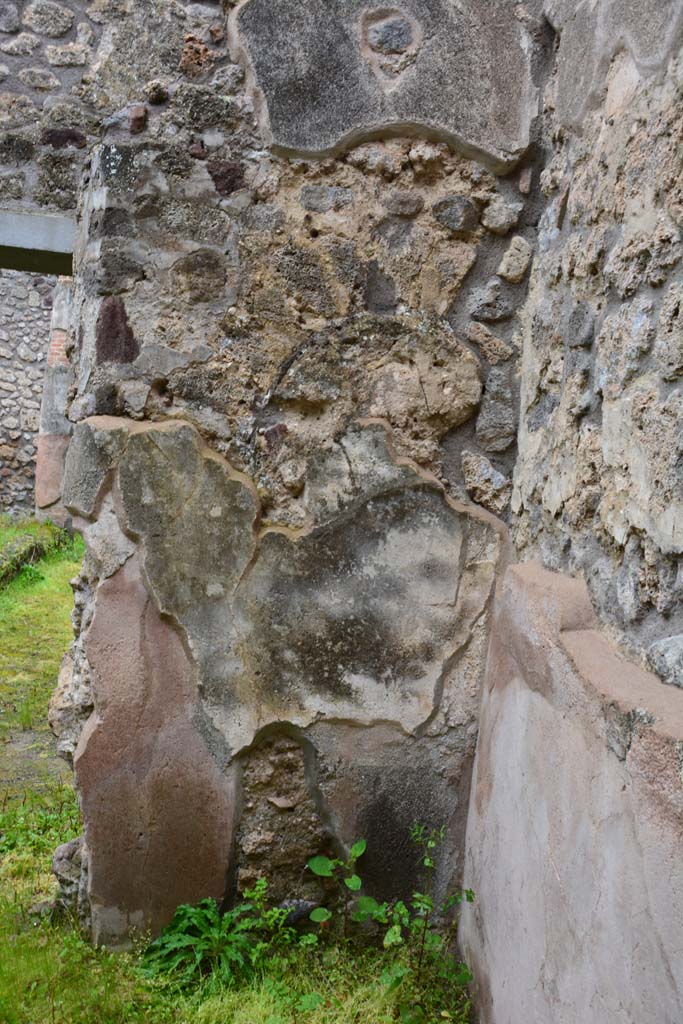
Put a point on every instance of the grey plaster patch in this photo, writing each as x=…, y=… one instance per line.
x=107, y=544
x=328, y=76
x=48, y=233
x=357, y=617
x=92, y=453
x=54, y=401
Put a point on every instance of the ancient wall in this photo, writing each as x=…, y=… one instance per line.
x=295, y=407
x=576, y=817
x=598, y=484
x=25, y=312
x=46, y=113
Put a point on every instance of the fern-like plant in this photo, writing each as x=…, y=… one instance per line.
x=200, y=940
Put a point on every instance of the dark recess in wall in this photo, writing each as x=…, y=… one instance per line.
x=36, y=261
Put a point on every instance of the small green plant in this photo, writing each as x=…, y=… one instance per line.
x=419, y=973
x=25, y=716
x=343, y=874
x=423, y=902
x=271, y=932
x=292, y=1002
x=30, y=573
x=429, y=947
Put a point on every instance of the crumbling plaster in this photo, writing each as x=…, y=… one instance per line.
x=323, y=354
x=370, y=621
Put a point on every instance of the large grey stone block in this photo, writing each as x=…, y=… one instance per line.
x=329, y=75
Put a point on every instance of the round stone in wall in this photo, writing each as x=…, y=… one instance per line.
x=9, y=17
x=48, y=18
x=390, y=40
x=392, y=35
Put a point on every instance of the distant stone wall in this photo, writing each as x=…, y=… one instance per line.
x=55, y=428
x=45, y=52
x=25, y=311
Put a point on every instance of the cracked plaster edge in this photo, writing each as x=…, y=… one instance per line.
x=425, y=476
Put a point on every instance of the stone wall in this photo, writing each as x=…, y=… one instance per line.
x=54, y=104
x=25, y=313
x=55, y=428
x=46, y=115
x=295, y=409
x=598, y=484
x=576, y=816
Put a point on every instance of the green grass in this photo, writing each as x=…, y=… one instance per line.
x=23, y=542
x=48, y=973
x=35, y=630
x=11, y=529
x=344, y=982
